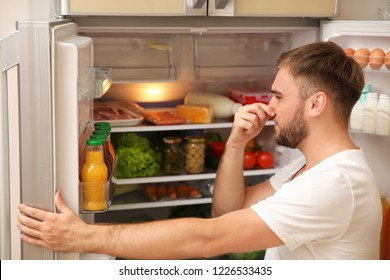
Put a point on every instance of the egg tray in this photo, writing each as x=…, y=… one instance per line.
x=372, y=59
x=373, y=62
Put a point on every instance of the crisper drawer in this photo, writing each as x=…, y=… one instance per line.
x=135, y=57
x=238, y=57
x=133, y=7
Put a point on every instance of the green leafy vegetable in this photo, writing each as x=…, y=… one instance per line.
x=135, y=157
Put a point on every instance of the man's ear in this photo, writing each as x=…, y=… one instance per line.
x=317, y=103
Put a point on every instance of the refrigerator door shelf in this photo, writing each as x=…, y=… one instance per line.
x=108, y=196
x=95, y=84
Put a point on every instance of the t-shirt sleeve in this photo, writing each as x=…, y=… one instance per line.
x=317, y=205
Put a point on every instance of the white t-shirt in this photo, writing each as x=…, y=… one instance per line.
x=331, y=211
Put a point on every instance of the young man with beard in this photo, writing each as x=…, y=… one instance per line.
x=323, y=205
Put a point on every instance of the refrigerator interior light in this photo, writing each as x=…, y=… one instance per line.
x=153, y=91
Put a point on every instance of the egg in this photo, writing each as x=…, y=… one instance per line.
x=377, y=58
x=361, y=56
x=349, y=51
x=387, y=60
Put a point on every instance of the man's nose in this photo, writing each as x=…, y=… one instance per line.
x=272, y=102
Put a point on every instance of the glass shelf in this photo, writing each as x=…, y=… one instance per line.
x=158, y=204
x=187, y=177
x=150, y=128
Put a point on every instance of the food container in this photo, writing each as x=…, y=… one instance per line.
x=172, y=155
x=195, y=154
x=249, y=96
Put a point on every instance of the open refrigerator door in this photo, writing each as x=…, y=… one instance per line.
x=58, y=85
x=76, y=84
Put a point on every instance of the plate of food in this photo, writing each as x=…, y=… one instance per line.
x=118, y=113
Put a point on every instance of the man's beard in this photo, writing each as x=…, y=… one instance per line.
x=295, y=131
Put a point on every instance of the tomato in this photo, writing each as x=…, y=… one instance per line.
x=249, y=160
x=217, y=148
x=265, y=160
x=256, y=152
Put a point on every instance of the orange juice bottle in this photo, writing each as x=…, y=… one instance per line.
x=94, y=176
x=108, y=160
x=107, y=127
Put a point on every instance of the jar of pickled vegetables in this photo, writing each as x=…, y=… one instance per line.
x=195, y=154
x=172, y=155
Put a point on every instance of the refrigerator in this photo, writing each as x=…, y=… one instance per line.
x=66, y=64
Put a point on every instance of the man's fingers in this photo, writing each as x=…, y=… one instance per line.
x=32, y=212
x=29, y=226
x=32, y=240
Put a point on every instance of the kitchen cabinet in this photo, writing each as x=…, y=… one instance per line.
x=276, y=8
x=133, y=8
x=246, y=8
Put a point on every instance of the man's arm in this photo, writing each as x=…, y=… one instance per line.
x=238, y=231
x=229, y=192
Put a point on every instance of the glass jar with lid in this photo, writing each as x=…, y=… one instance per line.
x=172, y=155
x=195, y=154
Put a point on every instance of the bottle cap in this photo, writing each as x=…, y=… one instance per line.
x=98, y=136
x=235, y=107
x=100, y=131
x=172, y=140
x=366, y=88
x=195, y=139
x=103, y=125
x=95, y=142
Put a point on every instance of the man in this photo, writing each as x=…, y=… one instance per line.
x=324, y=205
